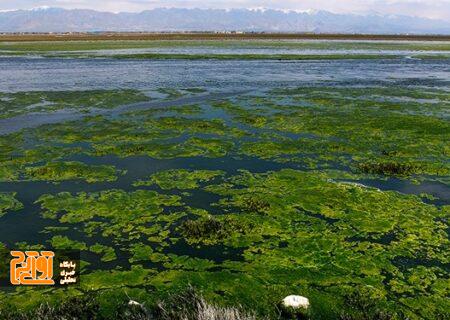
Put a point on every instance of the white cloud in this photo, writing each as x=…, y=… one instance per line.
x=437, y=9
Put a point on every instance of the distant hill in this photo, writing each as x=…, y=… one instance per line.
x=176, y=19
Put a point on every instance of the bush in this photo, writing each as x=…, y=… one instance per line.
x=210, y=229
x=389, y=168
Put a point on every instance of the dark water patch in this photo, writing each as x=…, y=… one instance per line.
x=24, y=225
x=216, y=253
x=201, y=199
x=436, y=189
x=34, y=120
x=404, y=263
x=283, y=244
x=384, y=239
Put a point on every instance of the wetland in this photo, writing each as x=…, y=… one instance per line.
x=248, y=179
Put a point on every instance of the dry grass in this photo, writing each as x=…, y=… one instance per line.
x=191, y=306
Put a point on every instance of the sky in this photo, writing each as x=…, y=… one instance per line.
x=434, y=9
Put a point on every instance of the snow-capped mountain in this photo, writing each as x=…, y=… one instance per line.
x=177, y=19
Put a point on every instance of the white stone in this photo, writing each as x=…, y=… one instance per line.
x=134, y=303
x=296, y=302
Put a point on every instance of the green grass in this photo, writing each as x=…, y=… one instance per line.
x=45, y=46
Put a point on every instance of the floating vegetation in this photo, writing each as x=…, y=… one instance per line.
x=9, y=202
x=195, y=90
x=108, y=253
x=180, y=178
x=193, y=147
x=391, y=168
x=18, y=103
x=120, y=213
x=58, y=171
x=63, y=242
x=140, y=252
x=210, y=230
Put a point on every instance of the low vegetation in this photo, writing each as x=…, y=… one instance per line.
x=19, y=103
x=71, y=170
x=180, y=178
x=8, y=202
x=211, y=230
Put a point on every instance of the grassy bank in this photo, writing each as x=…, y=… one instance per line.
x=85, y=45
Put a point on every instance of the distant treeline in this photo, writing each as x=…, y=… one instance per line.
x=234, y=35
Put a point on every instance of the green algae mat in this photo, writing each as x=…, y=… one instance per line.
x=321, y=191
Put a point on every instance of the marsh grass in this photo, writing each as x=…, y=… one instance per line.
x=389, y=168
x=256, y=205
x=210, y=229
x=359, y=305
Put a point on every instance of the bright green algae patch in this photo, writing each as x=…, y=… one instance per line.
x=121, y=213
x=180, y=179
x=9, y=202
x=58, y=171
x=157, y=137
x=18, y=103
x=25, y=169
x=108, y=253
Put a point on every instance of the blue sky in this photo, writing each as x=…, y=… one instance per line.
x=436, y=9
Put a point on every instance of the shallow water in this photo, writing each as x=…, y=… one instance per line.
x=33, y=120
x=27, y=74
x=252, y=50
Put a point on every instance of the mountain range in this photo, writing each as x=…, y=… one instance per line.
x=178, y=19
